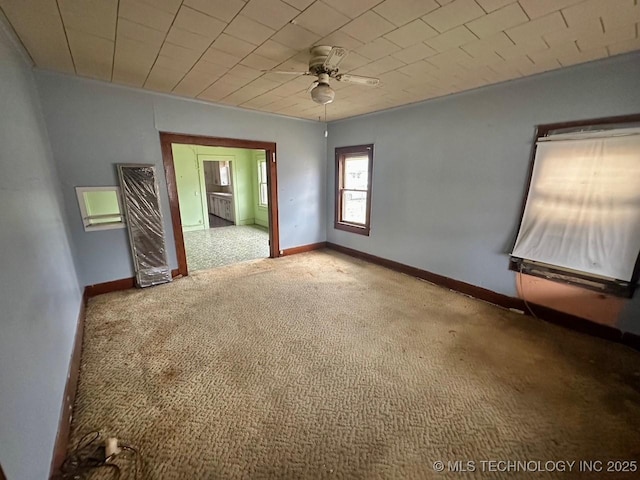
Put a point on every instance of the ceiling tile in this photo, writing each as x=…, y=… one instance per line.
x=352, y=8
x=249, y=30
x=488, y=45
x=92, y=56
x=616, y=17
x=591, y=27
x=451, y=39
x=353, y=60
x=539, y=8
x=296, y=37
x=340, y=39
x=233, y=45
x=140, y=33
x=193, y=83
x=218, y=57
x=620, y=34
x=133, y=61
x=368, y=27
x=163, y=79
x=400, y=12
x=581, y=57
x=41, y=32
x=170, y=6
x=197, y=22
x=321, y=19
x=524, y=47
x=453, y=14
x=273, y=13
x=95, y=17
x=624, y=47
x=208, y=68
x=181, y=54
x=491, y=5
x=384, y=65
x=275, y=51
x=244, y=71
x=182, y=65
x=536, y=28
x=412, y=33
x=184, y=38
x=145, y=14
x=414, y=53
x=223, y=10
x=258, y=62
x=221, y=88
x=379, y=48
x=299, y=4
x=498, y=21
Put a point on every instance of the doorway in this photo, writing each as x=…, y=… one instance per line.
x=223, y=199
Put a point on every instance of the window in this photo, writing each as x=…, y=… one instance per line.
x=581, y=220
x=100, y=208
x=262, y=183
x=353, y=188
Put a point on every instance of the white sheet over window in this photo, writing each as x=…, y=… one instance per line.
x=583, y=208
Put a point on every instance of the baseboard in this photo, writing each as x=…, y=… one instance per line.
x=116, y=285
x=550, y=315
x=64, y=426
x=303, y=248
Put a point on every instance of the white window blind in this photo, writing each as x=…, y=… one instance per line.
x=583, y=208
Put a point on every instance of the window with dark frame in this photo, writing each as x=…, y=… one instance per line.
x=354, y=166
x=580, y=221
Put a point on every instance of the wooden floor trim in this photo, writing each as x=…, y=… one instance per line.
x=545, y=313
x=116, y=285
x=304, y=248
x=64, y=426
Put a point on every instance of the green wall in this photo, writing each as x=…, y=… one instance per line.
x=188, y=160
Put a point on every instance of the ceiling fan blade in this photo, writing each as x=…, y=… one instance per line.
x=368, y=81
x=335, y=57
x=312, y=86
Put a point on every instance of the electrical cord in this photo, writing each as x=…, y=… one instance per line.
x=89, y=456
x=523, y=296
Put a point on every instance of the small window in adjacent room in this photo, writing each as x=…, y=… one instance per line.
x=354, y=166
x=100, y=208
x=581, y=218
x=262, y=183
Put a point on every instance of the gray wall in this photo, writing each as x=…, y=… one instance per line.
x=450, y=174
x=95, y=125
x=39, y=293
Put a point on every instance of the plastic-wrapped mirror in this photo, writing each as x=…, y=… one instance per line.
x=144, y=223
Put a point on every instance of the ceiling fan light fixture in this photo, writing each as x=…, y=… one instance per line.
x=323, y=93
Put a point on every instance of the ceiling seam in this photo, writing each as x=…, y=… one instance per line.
x=115, y=42
x=163, y=42
x=64, y=29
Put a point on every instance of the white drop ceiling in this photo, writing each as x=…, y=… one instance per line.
x=215, y=50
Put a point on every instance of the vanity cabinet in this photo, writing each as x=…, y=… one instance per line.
x=221, y=205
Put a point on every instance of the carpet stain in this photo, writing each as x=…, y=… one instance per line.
x=323, y=366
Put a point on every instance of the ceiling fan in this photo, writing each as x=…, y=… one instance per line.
x=324, y=64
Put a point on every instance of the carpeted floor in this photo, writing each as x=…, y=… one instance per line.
x=215, y=247
x=321, y=366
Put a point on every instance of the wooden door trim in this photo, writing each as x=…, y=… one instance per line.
x=168, y=138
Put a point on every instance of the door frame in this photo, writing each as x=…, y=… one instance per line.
x=169, y=138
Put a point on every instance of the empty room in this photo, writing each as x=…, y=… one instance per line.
x=309, y=239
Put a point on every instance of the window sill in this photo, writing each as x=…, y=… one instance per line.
x=593, y=283
x=349, y=227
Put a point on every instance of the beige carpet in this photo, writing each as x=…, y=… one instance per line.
x=322, y=366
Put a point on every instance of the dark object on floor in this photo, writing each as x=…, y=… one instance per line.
x=89, y=455
x=215, y=222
